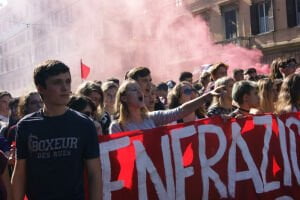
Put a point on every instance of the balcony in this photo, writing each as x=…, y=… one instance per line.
x=240, y=41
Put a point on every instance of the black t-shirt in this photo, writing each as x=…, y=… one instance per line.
x=55, y=149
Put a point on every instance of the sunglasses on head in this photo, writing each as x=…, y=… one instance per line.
x=187, y=91
x=288, y=65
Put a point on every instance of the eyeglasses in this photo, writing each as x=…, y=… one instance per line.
x=187, y=91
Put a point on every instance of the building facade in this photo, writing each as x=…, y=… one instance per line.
x=34, y=30
x=273, y=26
x=30, y=34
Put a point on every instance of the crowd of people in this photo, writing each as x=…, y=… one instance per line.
x=49, y=136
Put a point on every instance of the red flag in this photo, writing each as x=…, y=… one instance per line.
x=85, y=70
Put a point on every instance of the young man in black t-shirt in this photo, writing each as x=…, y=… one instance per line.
x=55, y=144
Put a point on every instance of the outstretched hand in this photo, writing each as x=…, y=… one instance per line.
x=219, y=91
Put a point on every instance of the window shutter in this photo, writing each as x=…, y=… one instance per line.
x=291, y=13
x=254, y=19
x=269, y=4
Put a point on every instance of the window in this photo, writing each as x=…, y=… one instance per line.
x=230, y=22
x=262, y=19
x=293, y=12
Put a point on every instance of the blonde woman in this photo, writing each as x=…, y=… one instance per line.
x=267, y=92
x=222, y=105
x=132, y=114
x=289, y=96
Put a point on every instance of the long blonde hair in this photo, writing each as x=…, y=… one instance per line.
x=266, y=96
x=121, y=108
x=289, y=94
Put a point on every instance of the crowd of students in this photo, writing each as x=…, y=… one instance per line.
x=49, y=136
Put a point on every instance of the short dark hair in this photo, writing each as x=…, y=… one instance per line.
x=115, y=80
x=250, y=70
x=184, y=75
x=162, y=86
x=137, y=72
x=214, y=68
x=242, y=88
x=47, y=69
x=236, y=71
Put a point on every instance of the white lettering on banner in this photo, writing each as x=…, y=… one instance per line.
x=206, y=171
x=144, y=165
x=289, y=122
x=233, y=175
x=287, y=180
x=267, y=121
x=172, y=184
x=180, y=172
x=105, y=148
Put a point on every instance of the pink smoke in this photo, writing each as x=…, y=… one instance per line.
x=156, y=34
x=114, y=36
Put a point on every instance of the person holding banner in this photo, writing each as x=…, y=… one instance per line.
x=222, y=105
x=132, y=113
x=289, y=96
x=267, y=92
x=245, y=95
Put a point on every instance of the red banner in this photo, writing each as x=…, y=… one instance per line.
x=251, y=158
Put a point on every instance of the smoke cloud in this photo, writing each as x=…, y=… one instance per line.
x=113, y=36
